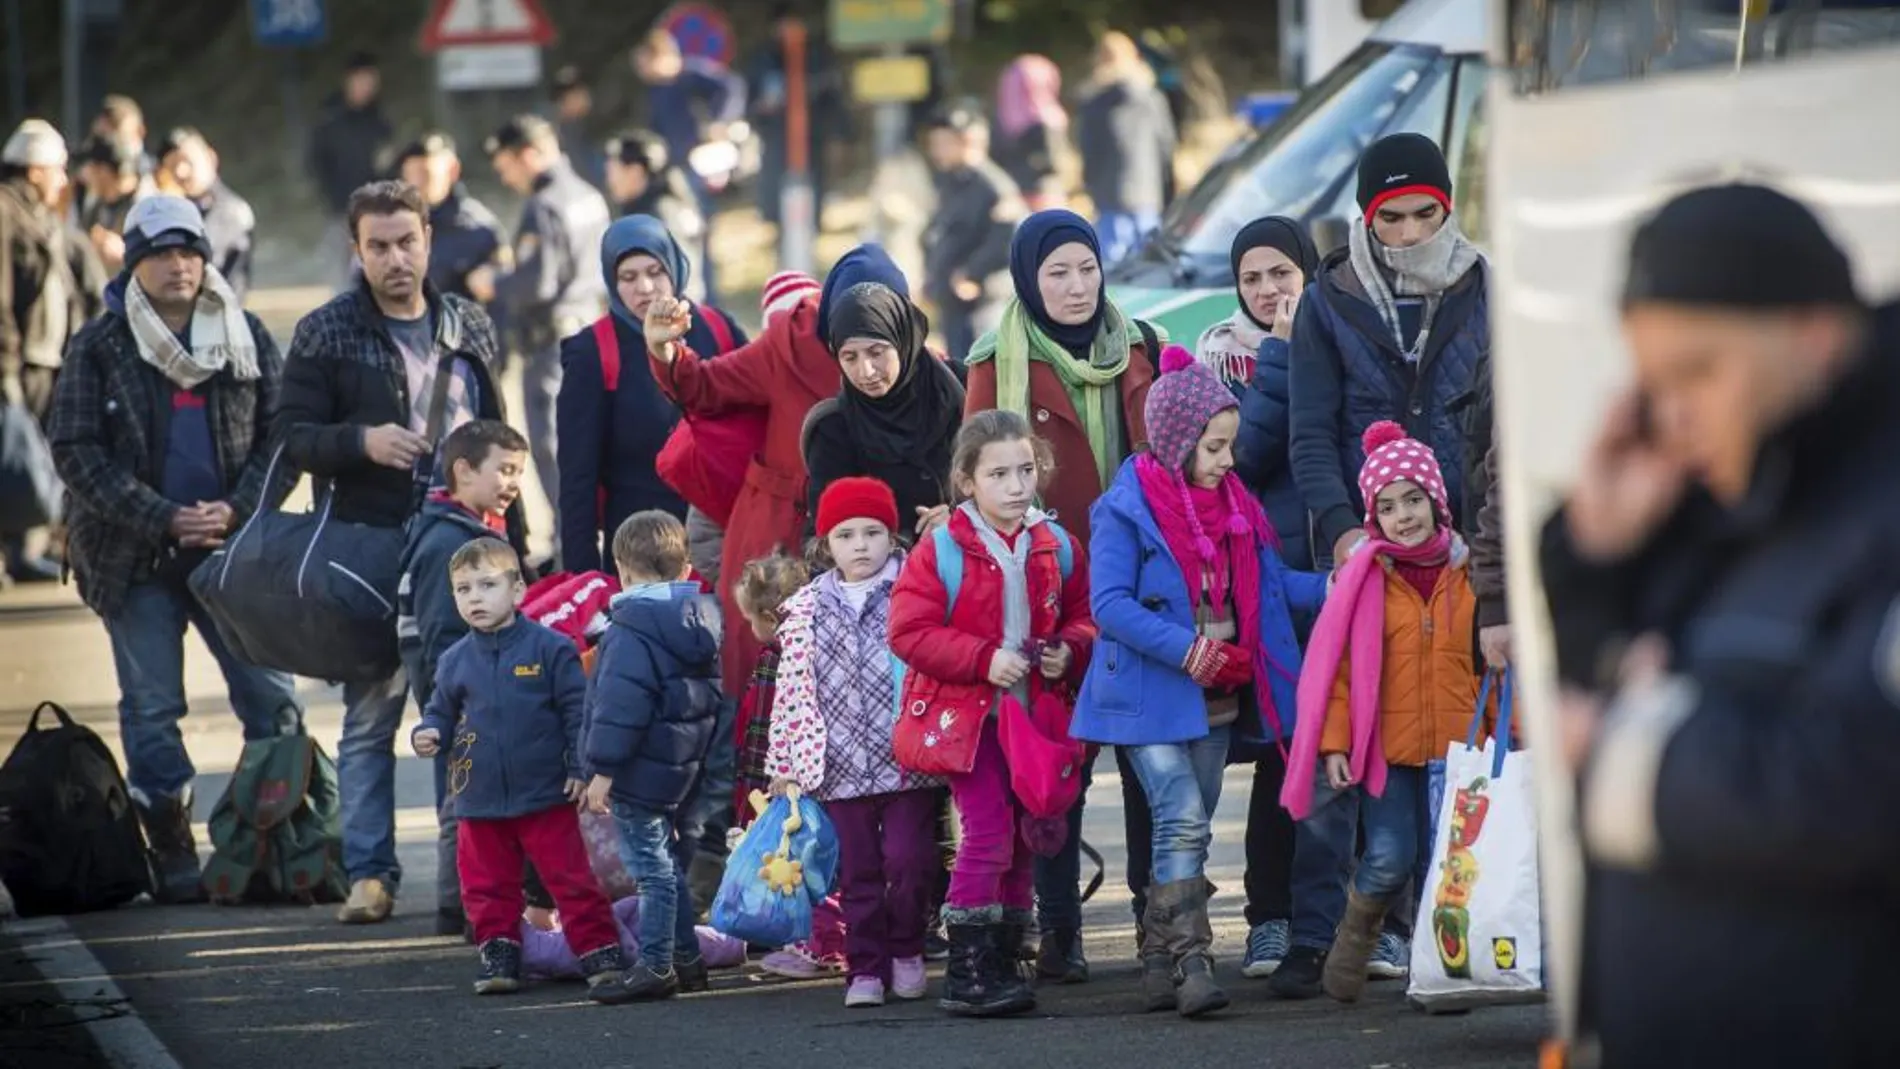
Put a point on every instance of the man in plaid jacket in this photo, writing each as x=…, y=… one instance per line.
x=160, y=428
x=358, y=384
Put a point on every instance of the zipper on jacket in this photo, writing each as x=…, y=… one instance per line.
x=501, y=766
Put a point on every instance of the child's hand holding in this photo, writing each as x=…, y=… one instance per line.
x=598, y=790
x=576, y=789
x=1056, y=658
x=1338, y=771
x=426, y=741
x=1007, y=668
x=780, y=786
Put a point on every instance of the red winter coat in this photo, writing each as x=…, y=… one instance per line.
x=950, y=663
x=785, y=370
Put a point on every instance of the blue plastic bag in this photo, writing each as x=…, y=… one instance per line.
x=747, y=907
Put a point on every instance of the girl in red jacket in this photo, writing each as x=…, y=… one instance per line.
x=990, y=606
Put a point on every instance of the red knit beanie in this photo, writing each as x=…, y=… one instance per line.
x=855, y=498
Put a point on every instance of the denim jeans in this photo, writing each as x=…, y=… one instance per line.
x=656, y=857
x=1324, y=847
x=1397, y=850
x=1270, y=844
x=366, y=778
x=1182, y=782
x=148, y=651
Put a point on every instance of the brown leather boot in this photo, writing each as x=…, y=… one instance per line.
x=1157, y=968
x=1189, y=940
x=1344, y=977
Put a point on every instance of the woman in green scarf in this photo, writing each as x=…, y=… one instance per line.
x=1068, y=360
x=1079, y=370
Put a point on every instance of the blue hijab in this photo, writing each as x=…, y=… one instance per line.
x=639, y=234
x=1037, y=237
x=866, y=263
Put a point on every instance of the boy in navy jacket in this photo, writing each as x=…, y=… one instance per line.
x=511, y=696
x=651, y=717
x=484, y=460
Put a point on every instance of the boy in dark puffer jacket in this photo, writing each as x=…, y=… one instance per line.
x=651, y=715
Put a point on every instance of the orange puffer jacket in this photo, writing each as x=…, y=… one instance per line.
x=1429, y=682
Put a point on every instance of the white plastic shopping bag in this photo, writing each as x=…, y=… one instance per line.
x=1478, y=941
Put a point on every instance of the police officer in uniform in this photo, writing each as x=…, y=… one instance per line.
x=463, y=234
x=555, y=287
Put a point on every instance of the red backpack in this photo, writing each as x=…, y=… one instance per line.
x=704, y=460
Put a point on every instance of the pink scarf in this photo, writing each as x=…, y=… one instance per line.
x=1352, y=620
x=1186, y=515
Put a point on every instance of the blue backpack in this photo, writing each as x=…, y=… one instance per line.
x=950, y=562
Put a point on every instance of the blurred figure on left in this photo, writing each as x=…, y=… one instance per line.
x=110, y=182
x=49, y=286
x=160, y=428
x=188, y=166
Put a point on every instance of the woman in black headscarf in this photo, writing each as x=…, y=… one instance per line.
x=897, y=412
x=1272, y=259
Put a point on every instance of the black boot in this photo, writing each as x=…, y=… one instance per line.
x=1061, y=958
x=979, y=982
x=167, y=822
x=501, y=968
x=605, y=970
x=1298, y=976
x=1019, y=944
x=692, y=973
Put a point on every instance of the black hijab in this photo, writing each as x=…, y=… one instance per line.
x=1274, y=232
x=1037, y=237
x=917, y=418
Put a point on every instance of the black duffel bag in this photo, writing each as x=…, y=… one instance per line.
x=306, y=594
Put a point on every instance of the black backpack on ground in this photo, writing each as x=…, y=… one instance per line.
x=69, y=836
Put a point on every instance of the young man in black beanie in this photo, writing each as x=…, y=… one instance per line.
x=1391, y=327
x=1725, y=595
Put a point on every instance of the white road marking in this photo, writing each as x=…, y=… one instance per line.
x=67, y=966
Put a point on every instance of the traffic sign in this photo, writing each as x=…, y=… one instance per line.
x=460, y=67
x=881, y=23
x=702, y=30
x=486, y=22
x=287, y=23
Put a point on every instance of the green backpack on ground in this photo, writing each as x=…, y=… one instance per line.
x=276, y=833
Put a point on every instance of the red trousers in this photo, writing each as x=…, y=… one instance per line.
x=489, y=854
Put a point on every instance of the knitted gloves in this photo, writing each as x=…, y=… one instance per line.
x=1218, y=665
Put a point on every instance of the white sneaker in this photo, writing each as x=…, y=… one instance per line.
x=908, y=979
x=1391, y=958
x=864, y=991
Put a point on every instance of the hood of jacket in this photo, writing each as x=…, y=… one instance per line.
x=685, y=622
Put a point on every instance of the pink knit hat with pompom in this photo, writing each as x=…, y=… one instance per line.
x=1392, y=457
x=1180, y=403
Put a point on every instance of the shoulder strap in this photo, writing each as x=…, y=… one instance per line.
x=607, y=340
x=949, y=567
x=1065, y=551
x=721, y=330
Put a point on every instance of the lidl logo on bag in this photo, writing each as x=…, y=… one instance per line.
x=527, y=671
x=1504, y=952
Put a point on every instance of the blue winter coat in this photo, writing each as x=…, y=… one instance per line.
x=508, y=706
x=1135, y=693
x=1347, y=373
x=654, y=700
x=427, y=622
x=1261, y=453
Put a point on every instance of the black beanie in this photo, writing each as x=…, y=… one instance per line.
x=1398, y=165
x=1737, y=246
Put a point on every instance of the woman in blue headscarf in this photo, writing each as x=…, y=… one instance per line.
x=611, y=417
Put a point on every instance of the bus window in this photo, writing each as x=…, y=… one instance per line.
x=1563, y=44
x=1466, y=148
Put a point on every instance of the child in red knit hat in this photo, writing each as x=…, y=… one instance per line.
x=1389, y=681
x=838, y=686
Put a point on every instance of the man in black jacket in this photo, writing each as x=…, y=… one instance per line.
x=1725, y=595
x=161, y=431
x=966, y=248
x=347, y=149
x=358, y=384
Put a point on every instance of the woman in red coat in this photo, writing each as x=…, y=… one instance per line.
x=786, y=370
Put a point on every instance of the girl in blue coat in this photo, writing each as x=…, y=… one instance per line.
x=610, y=417
x=1194, y=608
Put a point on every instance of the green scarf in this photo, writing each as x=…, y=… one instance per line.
x=1094, y=387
